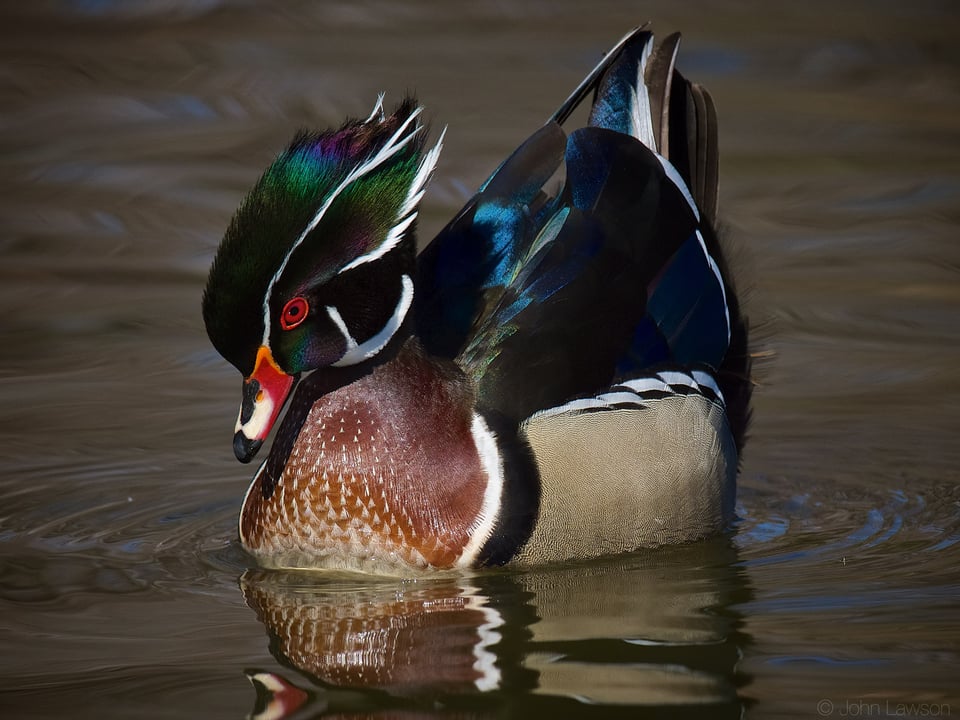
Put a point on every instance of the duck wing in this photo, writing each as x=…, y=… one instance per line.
x=464, y=271
x=546, y=296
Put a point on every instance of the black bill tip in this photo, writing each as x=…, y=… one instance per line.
x=245, y=448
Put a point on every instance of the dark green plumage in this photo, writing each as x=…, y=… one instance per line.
x=279, y=209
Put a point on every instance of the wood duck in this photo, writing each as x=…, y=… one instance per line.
x=561, y=373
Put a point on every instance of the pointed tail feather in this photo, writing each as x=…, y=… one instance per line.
x=622, y=103
x=658, y=77
x=641, y=93
x=593, y=78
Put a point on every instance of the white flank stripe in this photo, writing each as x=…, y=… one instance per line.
x=674, y=377
x=572, y=406
x=357, y=353
x=618, y=398
x=492, y=464
x=647, y=384
x=705, y=379
x=394, y=145
x=664, y=382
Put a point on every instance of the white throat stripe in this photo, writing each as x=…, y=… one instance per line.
x=358, y=352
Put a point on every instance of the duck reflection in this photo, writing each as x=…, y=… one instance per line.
x=405, y=637
x=651, y=629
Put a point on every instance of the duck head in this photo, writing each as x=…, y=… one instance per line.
x=316, y=267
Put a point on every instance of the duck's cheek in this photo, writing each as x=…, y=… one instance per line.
x=312, y=346
x=323, y=351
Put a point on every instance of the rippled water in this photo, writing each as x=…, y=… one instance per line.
x=130, y=132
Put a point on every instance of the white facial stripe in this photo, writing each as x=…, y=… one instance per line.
x=492, y=464
x=394, y=145
x=407, y=212
x=358, y=352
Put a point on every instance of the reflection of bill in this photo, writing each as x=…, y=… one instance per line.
x=276, y=698
x=401, y=637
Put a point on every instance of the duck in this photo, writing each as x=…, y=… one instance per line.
x=561, y=374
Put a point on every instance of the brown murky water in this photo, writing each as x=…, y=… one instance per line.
x=130, y=131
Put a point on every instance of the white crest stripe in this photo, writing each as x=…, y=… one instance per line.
x=407, y=212
x=424, y=172
x=377, y=108
x=392, y=240
x=394, y=145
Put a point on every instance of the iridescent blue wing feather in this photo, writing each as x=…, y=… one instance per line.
x=601, y=299
x=551, y=296
x=463, y=271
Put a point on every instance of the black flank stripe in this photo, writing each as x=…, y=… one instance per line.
x=520, y=500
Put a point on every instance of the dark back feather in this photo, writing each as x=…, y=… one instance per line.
x=544, y=297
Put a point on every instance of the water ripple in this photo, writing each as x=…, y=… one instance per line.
x=814, y=525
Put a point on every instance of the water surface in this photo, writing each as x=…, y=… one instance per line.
x=129, y=133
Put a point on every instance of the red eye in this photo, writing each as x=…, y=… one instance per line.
x=294, y=313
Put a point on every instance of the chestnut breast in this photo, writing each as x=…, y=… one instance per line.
x=383, y=473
